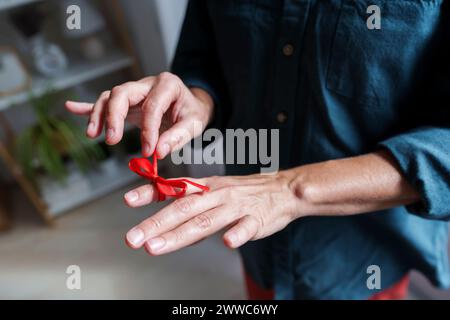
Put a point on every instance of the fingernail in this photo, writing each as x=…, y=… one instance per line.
x=91, y=127
x=135, y=236
x=163, y=150
x=110, y=133
x=132, y=196
x=156, y=244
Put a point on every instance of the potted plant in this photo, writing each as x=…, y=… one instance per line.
x=47, y=146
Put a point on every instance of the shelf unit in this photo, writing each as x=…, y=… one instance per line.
x=78, y=72
x=98, y=185
x=9, y=4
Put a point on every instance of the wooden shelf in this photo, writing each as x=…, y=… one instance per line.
x=97, y=185
x=9, y=4
x=97, y=182
x=76, y=73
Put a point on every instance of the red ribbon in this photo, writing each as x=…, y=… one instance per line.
x=172, y=188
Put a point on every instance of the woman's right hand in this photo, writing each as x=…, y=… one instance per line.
x=168, y=113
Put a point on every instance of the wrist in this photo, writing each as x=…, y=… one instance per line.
x=303, y=191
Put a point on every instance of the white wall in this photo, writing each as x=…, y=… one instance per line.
x=171, y=14
x=155, y=26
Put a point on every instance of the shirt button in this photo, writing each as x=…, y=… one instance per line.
x=282, y=117
x=288, y=50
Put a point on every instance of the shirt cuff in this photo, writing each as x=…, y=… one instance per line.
x=420, y=165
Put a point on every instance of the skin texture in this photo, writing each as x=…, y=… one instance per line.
x=249, y=207
x=154, y=104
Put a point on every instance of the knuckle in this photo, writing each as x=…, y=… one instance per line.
x=203, y=221
x=178, y=235
x=177, y=85
x=105, y=94
x=254, y=227
x=151, y=224
x=171, y=81
x=150, y=105
x=244, y=209
x=166, y=76
x=117, y=90
x=184, y=205
x=261, y=223
x=212, y=182
x=177, y=139
x=233, y=192
x=226, y=191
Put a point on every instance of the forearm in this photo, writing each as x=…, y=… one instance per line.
x=350, y=186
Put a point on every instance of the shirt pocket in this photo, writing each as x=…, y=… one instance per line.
x=376, y=66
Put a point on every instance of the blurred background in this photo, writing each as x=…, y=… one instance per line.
x=60, y=194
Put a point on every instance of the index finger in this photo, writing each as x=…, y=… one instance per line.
x=146, y=194
x=171, y=216
x=79, y=108
x=120, y=100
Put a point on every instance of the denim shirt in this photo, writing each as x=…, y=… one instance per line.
x=335, y=88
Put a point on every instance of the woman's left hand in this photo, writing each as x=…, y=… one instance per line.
x=252, y=207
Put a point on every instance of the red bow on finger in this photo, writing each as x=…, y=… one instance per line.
x=172, y=188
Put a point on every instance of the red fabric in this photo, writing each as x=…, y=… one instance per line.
x=172, y=188
x=255, y=292
x=398, y=291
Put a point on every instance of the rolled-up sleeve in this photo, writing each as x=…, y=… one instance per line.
x=424, y=157
x=196, y=59
x=423, y=153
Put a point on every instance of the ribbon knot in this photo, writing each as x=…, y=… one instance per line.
x=172, y=188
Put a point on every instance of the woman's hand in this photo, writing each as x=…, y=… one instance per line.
x=155, y=104
x=256, y=206
x=251, y=207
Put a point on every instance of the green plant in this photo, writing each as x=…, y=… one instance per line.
x=44, y=146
